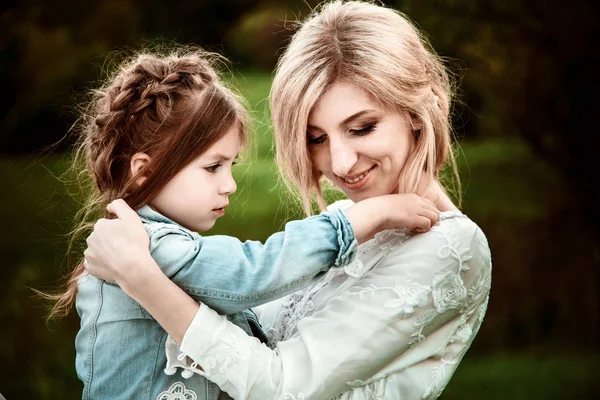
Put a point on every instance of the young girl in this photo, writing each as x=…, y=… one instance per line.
x=163, y=134
x=360, y=98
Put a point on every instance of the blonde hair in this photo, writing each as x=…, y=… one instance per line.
x=379, y=50
x=173, y=107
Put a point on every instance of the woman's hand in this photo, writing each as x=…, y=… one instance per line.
x=118, y=248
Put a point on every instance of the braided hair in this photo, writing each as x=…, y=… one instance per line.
x=172, y=108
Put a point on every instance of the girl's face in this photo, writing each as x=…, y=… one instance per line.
x=356, y=143
x=198, y=194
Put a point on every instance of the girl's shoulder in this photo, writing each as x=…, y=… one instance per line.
x=157, y=225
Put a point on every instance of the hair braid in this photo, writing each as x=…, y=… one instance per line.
x=173, y=108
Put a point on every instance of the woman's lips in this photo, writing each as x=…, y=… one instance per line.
x=357, y=182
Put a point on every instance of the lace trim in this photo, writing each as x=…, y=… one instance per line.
x=177, y=391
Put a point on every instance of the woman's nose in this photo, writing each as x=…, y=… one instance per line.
x=343, y=157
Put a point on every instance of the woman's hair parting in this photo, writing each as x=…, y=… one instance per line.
x=172, y=108
x=380, y=51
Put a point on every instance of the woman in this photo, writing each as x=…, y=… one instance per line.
x=359, y=98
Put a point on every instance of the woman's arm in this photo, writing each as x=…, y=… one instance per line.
x=430, y=288
x=162, y=298
x=231, y=276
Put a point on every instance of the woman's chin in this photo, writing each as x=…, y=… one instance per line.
x=363, y=195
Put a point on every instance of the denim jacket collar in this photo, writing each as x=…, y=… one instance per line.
x=149, y=215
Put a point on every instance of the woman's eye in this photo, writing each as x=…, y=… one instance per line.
x=363, y=131
x=212, y=168
x=316, y=140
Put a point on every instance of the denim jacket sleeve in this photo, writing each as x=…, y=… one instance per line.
x=230, y=276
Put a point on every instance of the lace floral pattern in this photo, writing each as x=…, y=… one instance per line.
x=295, y=307
x=298, y=305
x=410, y=294
x=178, y=391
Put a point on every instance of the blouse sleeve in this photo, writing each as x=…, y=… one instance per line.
x=427, y=287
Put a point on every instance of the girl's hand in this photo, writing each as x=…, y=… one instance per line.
x=394, y=211
x=118, y=248
x=410, y=211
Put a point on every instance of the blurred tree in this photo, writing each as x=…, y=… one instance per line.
x=50, y=51
x=532, y=72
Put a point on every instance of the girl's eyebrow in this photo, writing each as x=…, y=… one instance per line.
x=220, y=157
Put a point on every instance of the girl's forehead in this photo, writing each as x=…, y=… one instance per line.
x=226, y=148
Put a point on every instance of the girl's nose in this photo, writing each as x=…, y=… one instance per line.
x=228, y=186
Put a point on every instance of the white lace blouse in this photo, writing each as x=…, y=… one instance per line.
x=394, y=324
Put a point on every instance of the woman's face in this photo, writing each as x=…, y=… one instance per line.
x=356, y=143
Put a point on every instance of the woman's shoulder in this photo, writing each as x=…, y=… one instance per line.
x=455, y=238
x=456, y=228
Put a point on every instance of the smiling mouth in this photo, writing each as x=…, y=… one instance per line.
x=358, y=181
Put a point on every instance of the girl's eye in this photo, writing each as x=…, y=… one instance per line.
x=316, y=140
x=363, y=131
x=212, y=168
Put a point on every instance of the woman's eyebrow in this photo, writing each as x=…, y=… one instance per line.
x=347, y=120
x=356, y=116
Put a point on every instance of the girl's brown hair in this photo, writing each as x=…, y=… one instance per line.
x=380, y=51
x=173, y=108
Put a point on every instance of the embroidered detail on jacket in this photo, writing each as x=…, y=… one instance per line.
x=178, y=391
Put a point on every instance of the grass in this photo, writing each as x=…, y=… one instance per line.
x=555, y=376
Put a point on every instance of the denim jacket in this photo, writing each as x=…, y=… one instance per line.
x=121, y=348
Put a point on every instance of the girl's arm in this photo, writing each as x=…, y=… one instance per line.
x=430, y=292
x=231, y=276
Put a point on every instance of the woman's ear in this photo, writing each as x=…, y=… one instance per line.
x=138, y=162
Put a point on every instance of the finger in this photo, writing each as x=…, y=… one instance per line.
x=423, y=223
x=86, y=255
x=431, y=207
x=431, y=215
x=89, y=239
x=122, y=210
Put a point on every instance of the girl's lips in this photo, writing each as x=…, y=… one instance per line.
x=219, y=211
x=359, y=184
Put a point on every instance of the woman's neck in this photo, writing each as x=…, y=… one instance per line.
x=438, y=195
